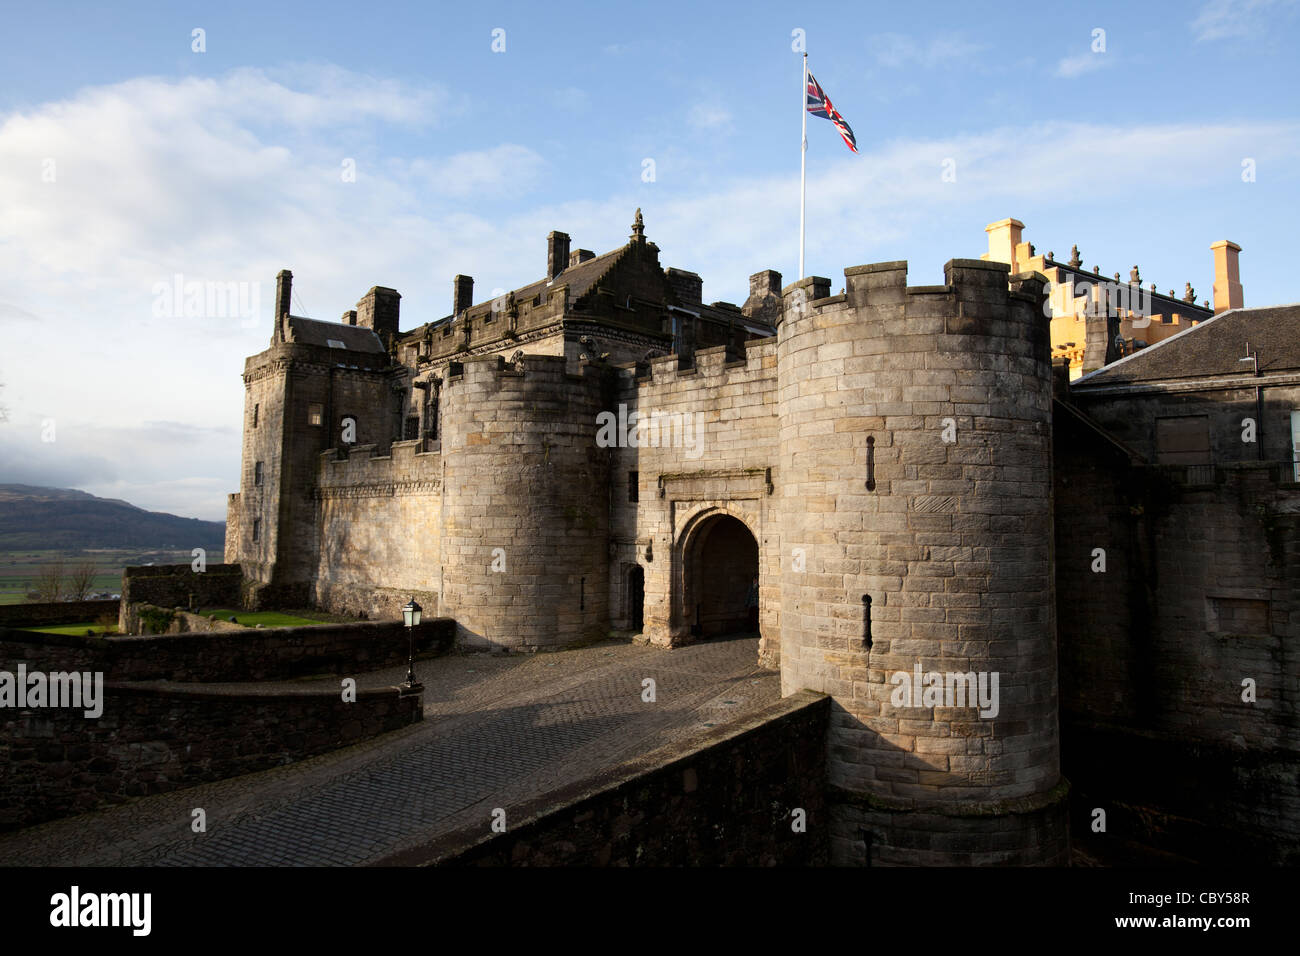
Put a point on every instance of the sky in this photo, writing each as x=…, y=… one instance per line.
x=401, y=144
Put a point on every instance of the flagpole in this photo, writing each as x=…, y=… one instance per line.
x=803, y=158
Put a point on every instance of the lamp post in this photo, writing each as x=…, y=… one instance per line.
x=411, y=614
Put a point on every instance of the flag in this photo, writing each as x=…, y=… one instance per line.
x=819, y=104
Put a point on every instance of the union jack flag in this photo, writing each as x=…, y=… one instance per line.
x=819, y=104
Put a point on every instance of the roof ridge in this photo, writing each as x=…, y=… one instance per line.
x=617, y=254
x=1155, y=345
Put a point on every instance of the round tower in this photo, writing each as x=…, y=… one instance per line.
x=917, y=575
x=525, y=495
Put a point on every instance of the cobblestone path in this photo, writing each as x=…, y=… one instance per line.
x=497, y=730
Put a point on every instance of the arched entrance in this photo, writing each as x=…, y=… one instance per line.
x=720, y=578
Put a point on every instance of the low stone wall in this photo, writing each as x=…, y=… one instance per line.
x=179, y=585
x=249, y=654
x=145, y=619
x=160, y=737
x=56, y=612
x=724, y=798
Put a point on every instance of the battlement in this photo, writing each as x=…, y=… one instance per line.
x=977, y=298
x=479, y=370
x=362, y=468
x=719, y=365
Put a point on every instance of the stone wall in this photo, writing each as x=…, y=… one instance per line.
x=145, y=619
x=58, y=612
x=380, y=530
x=159, y=738
x=725, y=798
x=179, y=585
x=1133, y=417
x=248, y=655
x=1199, y=594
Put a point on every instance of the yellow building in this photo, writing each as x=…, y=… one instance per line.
x=1120, y=315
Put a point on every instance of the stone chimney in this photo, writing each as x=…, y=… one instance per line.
x=283, y=292
x=379, y=309
x=349, y=317
x=557, y=253
x=579, y=256
x=764, y=302
x=283, y=295
x=687, y=286
x=1004, y=240
x=462, y=294
x=1227, y=276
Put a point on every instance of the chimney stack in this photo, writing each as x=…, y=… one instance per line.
x=283, y=292
x=379, y=309
x=462, y=294
x=688, y=287
x=557, y=253
x=1004, y=238
x=1227, y=276
x=579, y=256
x=764, y=302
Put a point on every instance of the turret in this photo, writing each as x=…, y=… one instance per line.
x=916, y=577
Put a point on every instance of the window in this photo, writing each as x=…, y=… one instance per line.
x=1295, y=443
x=431, y=411
x=633, y=486
x=257, y=474
x=256, y=407
x=335, y=344
x=1236, y=615
x=257, y=529
x=412, y=430
x=1183, y=441
x=315, y=413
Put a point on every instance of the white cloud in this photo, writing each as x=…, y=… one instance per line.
x=703, y=116
x=233, y=178
x=1224, y=19
x=508, y=169
x=897, y=51
x=1072, y=66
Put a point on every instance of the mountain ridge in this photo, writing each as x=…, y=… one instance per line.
x=37, y=517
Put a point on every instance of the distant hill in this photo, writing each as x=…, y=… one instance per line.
x=36, y=518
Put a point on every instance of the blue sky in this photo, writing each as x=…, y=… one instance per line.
x=127, y=158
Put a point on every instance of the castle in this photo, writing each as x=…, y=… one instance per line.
x=872, y=480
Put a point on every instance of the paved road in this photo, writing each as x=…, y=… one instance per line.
x=497, y=730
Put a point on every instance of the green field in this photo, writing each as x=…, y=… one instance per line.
x=265, y=618
x=76, y=630
x=20, y=570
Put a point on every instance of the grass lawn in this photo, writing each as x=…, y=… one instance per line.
x=254, y=618
x=78, y=630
